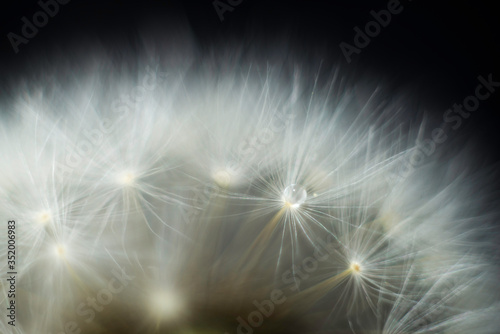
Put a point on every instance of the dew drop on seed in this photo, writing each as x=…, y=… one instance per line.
x=294, y=195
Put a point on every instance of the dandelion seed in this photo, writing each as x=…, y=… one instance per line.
x=166, y=304
x=127, y=178
x=44, y=217
x=355, y=268
x=60, y=251
x=222, y=178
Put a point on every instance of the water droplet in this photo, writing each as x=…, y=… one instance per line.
x=294, y=195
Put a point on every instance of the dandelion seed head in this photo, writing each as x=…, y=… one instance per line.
x=294, y=195
x=385, y=250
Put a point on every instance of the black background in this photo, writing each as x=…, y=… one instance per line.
x=434, y=50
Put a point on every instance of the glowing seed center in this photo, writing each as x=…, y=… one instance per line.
x=294, y=195
x=60, y=250
x=127, y=178
x=222, y=178
x=166, y=304
x=44, y=217
x=355, y=267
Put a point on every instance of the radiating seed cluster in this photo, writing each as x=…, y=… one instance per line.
x=235, y=202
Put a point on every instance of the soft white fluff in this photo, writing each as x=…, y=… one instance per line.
x=213, y=188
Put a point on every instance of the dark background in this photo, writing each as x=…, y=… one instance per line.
x=434, y=50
